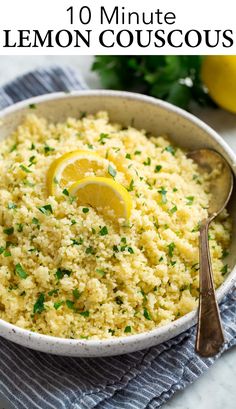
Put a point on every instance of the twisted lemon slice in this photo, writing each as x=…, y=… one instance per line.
x=103, y=194
x=72, y=167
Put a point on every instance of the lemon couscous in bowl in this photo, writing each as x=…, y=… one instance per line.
x=100, y=209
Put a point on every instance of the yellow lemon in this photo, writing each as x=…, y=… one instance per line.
x=105, y=195
x=73, y=166
x=219, y=76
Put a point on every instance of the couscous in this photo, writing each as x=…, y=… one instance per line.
x=68, y=269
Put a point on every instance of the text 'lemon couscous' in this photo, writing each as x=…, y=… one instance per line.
x=71, y=270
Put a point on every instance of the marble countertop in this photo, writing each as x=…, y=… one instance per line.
x=215, y=389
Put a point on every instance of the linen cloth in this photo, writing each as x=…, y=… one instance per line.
x=141, y=380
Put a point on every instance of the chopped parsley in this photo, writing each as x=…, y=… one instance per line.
x=28, y=183
x=102, y=138
x=13, y=148
x=39, y=305
x=112, y=171
x=127, y=329
x=147, y=162
x=103, y=231
x=101, y=272
x=25, y=169
x=85, y=210
x=47, y=209
x=20, y=271
x=32, y=106
x=35, y=221
x=7, y=253
x=12, y=287
x=131, y=186
x=195, y=267
x=9, y=231
x=144, y=295
x=32, y=250
x=196, y=228
x=83, y=114
x=58, y=304
x=225, y=253
x=174, y=209
x=2, y=249
x=32, y=161
x=128, y=156
x=52, y=292
x=48, y=149
x=65, y=192
x=158, y=168
x=163, y=192
x=123, y=240
x=11, y=206
x=130, y=250
x=119, y=300
x=115, y=248
x=20, y=227
x=73, y=221
x=84, y=314
x=116, y=149
x=90, y=250
x=190, y=200
x=70, y=304
x=137, y=152
x=146, y=314
x=184, y=287
x=171, y=248
x=77, y=242
x=224, y=269
x=170, y=149
x=76, y=293
x=72, y=199
x=61, y=272
x=156, y=225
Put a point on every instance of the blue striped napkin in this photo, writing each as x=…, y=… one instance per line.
x=144, y=379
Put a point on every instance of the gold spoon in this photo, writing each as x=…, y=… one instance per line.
x=210, y=337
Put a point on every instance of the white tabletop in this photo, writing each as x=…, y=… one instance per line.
x=215, y=389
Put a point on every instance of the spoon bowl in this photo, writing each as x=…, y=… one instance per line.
x=221, y=186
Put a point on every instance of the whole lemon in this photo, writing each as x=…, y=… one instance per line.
x=219, y=76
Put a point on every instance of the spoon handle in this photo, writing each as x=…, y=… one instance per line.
x=210, y=337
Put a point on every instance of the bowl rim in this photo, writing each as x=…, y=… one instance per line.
x=189, y=319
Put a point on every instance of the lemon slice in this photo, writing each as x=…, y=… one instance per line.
x=73, y=166
x=103, y=194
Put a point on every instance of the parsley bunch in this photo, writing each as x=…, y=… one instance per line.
x=173, y=78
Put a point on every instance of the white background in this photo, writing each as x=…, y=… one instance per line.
x=46, y=15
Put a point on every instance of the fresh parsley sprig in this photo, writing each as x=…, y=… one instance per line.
x=174, y=78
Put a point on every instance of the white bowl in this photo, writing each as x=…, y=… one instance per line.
x=157, y=117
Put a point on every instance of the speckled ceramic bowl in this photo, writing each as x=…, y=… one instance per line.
x=157, y=117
